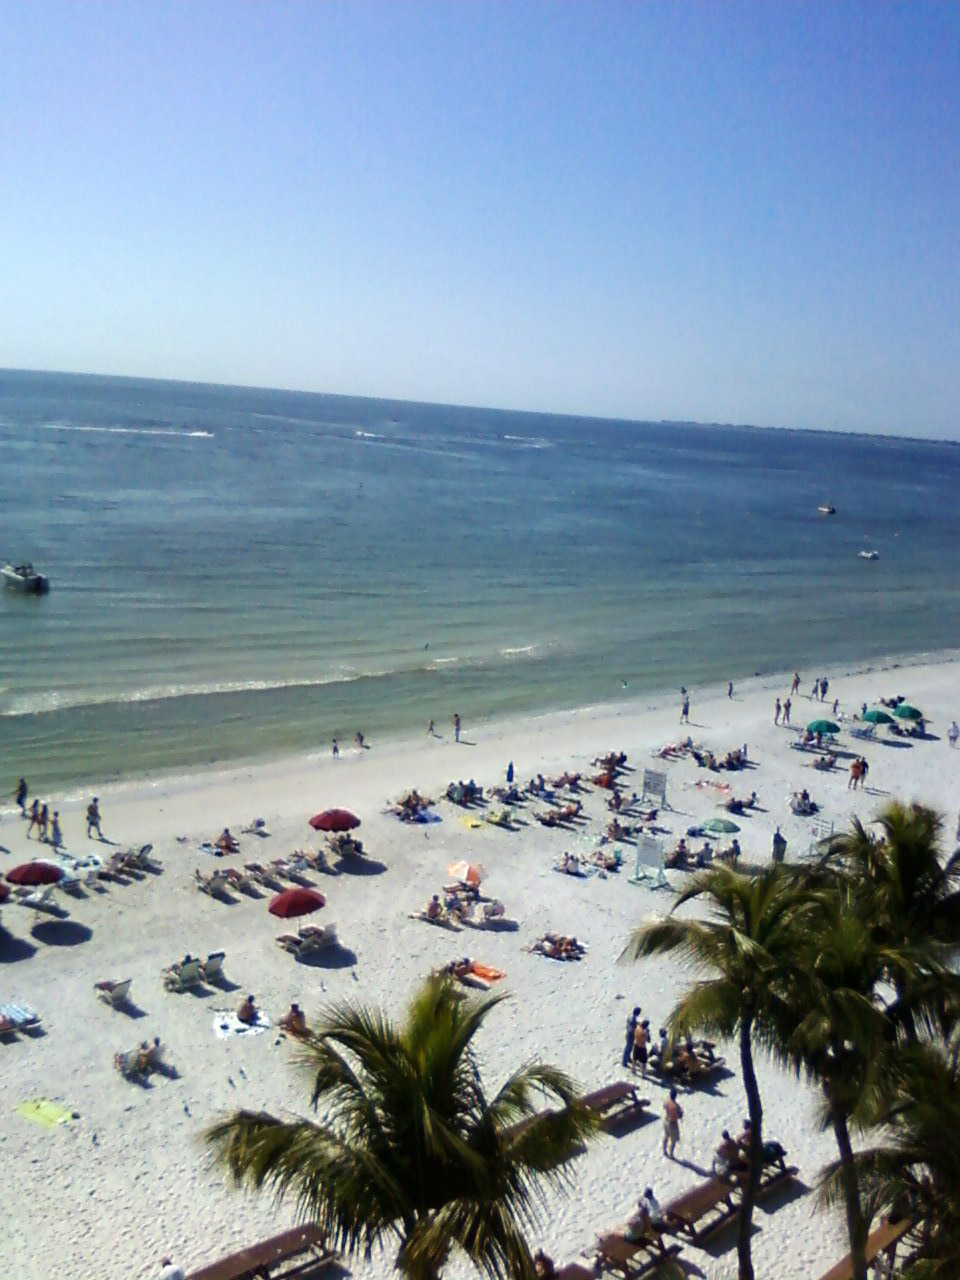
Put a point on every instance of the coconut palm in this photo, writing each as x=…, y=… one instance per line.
x=911, y=897
x=407, y=1147
x=745, y=949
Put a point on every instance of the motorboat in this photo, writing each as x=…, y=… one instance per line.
x=869, y=555
x=23, y=577
x=827, y=510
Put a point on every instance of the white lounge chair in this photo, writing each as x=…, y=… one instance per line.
x=216, y=883
x=115, y=993
x=17, y=1017
x=212, y=967
x=39, y=899
x=184, y=974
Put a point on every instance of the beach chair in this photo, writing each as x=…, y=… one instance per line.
x=212, y=967
x=323, y=935
x=140, y=860
x=303, y=1246
x=40, y=899
x=18, y=1017
x=115, y=993
x=216, y=883
x=291, y=870
x=242, y=881
x=634, y=1259
x=883, y=1239
x=265, y=876
x=615, y=1104
x=114, y=868
x=183, y=974
x=699, y=1212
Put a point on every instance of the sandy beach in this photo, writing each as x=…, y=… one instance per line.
x=126, y=1180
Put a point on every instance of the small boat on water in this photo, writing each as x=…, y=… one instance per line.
x=827, y=510
x=869, y=555
x=23, y=577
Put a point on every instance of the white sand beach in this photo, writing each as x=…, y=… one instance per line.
x=128, y=1181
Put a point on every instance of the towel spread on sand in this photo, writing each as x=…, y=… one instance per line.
x=45, y=1113
x=227, y=1024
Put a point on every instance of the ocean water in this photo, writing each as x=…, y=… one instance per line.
x=240, y=573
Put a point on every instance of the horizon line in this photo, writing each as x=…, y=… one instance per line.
x=453, y=404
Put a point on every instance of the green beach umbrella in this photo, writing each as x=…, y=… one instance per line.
x=877, y=717
x=719, y=826
x=822, y=726
x=906, y=712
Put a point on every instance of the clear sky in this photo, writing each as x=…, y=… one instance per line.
x=713, y=211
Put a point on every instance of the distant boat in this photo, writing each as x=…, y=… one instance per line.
x=23, y=577
x=869, y=555
x=827, y=511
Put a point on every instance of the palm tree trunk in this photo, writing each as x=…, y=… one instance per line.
x=749, y=1190
x=856, y=1226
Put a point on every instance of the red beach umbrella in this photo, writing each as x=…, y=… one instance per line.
x=334, y=820
x=36, y=873
x=296, y=902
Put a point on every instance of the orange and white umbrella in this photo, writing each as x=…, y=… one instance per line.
x=468, y=872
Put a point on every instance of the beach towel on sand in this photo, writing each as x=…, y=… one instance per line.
x=227, y=1024
x=45, y=1113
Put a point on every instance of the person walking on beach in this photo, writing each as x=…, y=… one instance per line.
x=93, y=818
x=672, y=1115
x=632, y=1022
x=359, y=740
x=685, y=709
x=776, y=712
x=816, y=691
x=34, y=817
x=431, y=730
x=335, y=749
x=953, y=733
x=786, y=711
x=456, y=727
x=795, y=686
x=44, y=820
x=56, y=835
x=824, y=686
x=22, y=796
x=730, y=689
x=836, y=707
x=510, y=774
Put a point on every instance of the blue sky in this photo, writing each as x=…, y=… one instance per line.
x=711, y=211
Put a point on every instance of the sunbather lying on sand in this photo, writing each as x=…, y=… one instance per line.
x=559, y=947
x=733, y=805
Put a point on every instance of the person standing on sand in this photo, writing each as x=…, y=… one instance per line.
x=685, y=710
x=815, y=693
x=795, y=686
x=22, y=795
x=335, y=749
x=953, y=733
x=359, y=740
x=824, y=686
x=34, y=817
x=93, y=818
x=776, y=712
x=632, y=1022
x=431, y=731
x=456, y=727
x=730, y=689
x=510, y=774
x=672, y=1115
x=44, y=820
x=56, y=835
x=786, y=711
x=836, y=706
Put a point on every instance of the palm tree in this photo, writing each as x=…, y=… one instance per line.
x=407, y=1145
x=911, y=897
x=746, y=949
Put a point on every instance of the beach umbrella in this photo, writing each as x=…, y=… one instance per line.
x=36, y=873
x=822, y=726
x=877, y=717
x=720, y=826
x=334, y=820
x=296, y=902
x=469, y=872
x=906, y=712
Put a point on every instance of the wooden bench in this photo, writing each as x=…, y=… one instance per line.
x=634, y=1258
x=882, y=1238
x=301, y=1246
x=615, y=1104
x=712, y=1199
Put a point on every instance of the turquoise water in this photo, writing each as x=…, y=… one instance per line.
x=238, y=573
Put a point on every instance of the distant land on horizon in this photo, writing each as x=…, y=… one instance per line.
x=532, y=413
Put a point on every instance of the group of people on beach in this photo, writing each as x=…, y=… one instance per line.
x=46, y=822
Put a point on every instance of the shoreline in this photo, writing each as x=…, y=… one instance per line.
x=274, y=767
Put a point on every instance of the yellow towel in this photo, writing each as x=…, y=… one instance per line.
x=45, y=1113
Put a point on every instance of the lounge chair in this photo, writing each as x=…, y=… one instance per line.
x=115, y=993
x=291, y=870
x=324, y=935
x=130, y=1065
x=243, y=881
x=615, y=1104
x=140, y=860
x=216, y=883
x=114, y=868
x=308, y=944
x=883, y=1238
x=17, y=1017
x=699, y=1212
x=183, y=974
x=267, y=876
x=39, y=899
x=259, y=1259
x=212, y=967
x=634, y=1258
